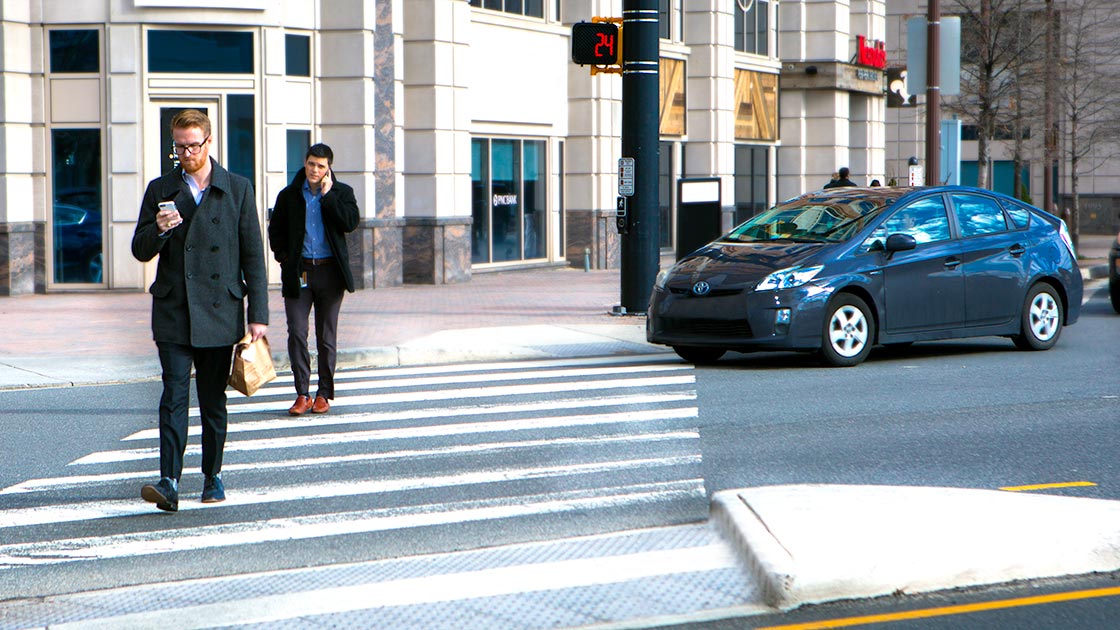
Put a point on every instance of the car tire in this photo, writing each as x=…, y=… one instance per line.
x=699, y=355
x=849, y=331
x=1041, y=319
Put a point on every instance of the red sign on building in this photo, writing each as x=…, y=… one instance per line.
x=871, y=52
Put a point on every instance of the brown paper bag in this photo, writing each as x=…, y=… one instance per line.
x=252, y=365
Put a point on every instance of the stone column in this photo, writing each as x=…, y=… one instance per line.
x=709, y=33
x=22, y=234
x=349, y=110
x=437, y=169
x=592, y=151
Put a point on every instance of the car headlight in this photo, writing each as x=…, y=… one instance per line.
x=662, y=278
x=788, y=278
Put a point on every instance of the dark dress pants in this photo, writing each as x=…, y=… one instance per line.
x=325, y=289
x=212, y=367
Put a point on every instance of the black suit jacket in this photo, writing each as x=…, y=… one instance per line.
x=288, y=227
x=208, y=265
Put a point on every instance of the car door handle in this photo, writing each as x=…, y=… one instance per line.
x=1017, y=250
x=952, y=262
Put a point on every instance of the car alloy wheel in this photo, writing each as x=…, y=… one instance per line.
x=1041, y=319
x=849, y=332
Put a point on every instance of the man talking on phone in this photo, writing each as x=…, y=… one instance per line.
x=307, y=235
x=201, y=220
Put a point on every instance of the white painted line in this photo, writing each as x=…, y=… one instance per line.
x=497, y=366
x=472, y=392
x=312, y=421
x=496, y=426
x=338, y=524
x=528, y=578
x=68, y=513
x=377, y=381
x=76, y=481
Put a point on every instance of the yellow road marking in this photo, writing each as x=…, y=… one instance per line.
x=1049, y=486
x=950, y=610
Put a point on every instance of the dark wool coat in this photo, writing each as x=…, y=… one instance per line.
x=208, y=265
x=288, y=226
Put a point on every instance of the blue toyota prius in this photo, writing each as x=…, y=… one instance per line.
x=839, y=271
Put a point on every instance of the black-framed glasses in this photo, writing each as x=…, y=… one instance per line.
x=190, y=149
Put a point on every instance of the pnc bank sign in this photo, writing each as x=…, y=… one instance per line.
x=871, y=53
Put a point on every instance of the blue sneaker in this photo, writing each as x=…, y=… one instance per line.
x=163, y=494
x=213, y=491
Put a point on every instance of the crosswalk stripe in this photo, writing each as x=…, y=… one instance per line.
x=337, y=524
x=303, y=441
x=475, y=392
x=336, y=419
x=492, y=582
x=499, y=366
x=376, y=381
x=53, y=514
x=75, y=481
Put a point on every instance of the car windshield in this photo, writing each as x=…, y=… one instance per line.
x=810, y=219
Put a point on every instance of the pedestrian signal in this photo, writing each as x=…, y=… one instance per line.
x=596, y=43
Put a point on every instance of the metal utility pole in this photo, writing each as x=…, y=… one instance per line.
x=933, y=94
x=641, y=249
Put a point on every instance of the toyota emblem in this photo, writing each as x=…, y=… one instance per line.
x=701, y=288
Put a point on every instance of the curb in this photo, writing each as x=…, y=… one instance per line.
x=815, y=543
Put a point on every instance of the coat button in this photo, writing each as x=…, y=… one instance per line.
x=214, y=248
x=216, y=304
x=190, y=275
x=214, y=277
x=190, y=248
x=215, y=221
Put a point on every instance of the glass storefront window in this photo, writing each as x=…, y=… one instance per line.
x=665, y=192
x=76, y=224
x=297, y=55
x=200, y=52
x=240, y=135
x=509, y=200
x=532, y=8
x=77, y=51
x=752, y=27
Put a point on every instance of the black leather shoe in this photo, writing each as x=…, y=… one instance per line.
x=163, y=494
x=213, y=491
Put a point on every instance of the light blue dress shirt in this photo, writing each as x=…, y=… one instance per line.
x=314, y=238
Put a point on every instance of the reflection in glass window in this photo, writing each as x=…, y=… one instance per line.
x=535, y=202
x=978, y=215
x=76, y=227
x=240, y=128
x=200, y=52
x=1020, y=214
x=480, y=201
x=297, y=55
x=298, y=140
x=509, y=201
x=752, y=172
x=752, y=32
x=925, y=219
x=75, y=51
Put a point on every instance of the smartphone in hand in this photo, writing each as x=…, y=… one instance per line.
x=169, y=213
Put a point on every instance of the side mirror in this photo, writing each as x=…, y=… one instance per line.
x=900, y=243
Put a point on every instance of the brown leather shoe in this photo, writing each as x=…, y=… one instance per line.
x=322, y=405
x=301, y=406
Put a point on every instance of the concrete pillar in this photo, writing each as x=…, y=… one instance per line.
x=349, y=114
x=437, y=209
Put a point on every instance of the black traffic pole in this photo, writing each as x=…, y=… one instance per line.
x=933, y=94
x=641, y=254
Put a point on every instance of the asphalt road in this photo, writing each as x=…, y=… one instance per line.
x=975, y=414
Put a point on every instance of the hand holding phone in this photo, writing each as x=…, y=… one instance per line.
x=327, y=182
x=168, y=216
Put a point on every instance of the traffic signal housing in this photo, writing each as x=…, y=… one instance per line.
x=597, y=43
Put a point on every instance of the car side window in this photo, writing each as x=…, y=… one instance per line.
x=925, y=219
x=978, y=215
x=1020, y=214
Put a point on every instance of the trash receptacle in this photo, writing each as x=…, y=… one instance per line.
x=698, y=213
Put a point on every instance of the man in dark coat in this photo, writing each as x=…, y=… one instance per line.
x=307, y=234
x=210, y=259
x=843, y=179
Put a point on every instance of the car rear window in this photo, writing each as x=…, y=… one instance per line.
x=1020, y=213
